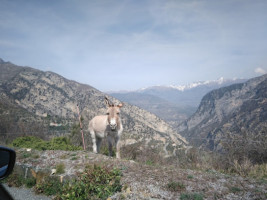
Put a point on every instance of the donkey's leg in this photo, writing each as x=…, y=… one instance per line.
x=110, y=140
x=117, y=144
x=98, y=143
x=93, y=136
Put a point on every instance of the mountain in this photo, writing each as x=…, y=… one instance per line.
x=173, y=104
x=238, y=112
x=51, y=97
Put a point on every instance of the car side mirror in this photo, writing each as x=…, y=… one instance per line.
x=7, y=161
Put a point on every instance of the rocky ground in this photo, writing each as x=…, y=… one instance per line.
x=145, y=181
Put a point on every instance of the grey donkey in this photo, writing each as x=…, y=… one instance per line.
x=109, y=126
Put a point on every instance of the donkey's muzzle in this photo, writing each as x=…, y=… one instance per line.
x=113, y=124
x=113, y=127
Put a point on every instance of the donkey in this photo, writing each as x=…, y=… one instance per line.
x=109, y=126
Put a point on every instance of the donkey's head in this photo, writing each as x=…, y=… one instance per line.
x=113, y=113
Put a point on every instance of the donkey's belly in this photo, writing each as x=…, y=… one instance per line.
x=101, y=134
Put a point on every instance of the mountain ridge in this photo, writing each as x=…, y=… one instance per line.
x=49, y=94
x=239, y=109
x=180, y=102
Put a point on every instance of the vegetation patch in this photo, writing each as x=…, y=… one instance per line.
x=17, y=180
x=235, y=189
x=30, y=182
x=175, y=186
x=60, y=168
x=105, y=151
x=57, y=143
x=74, y=158
x=94, y=183
x=50, y=186
x=190, y=176
x=191, y=196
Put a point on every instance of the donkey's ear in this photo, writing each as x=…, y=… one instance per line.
x=107, y=102
x=120, y=105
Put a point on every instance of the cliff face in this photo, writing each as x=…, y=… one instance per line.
x=239, y=109
x=46, y=94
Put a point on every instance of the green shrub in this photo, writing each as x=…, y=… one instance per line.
x=30, y=142
x=50, y=186
x=235, y=189
x=94, y=183
x=190, y=176
x=17, y=180
x=63, y=143
x=57, y=143
x=60, y=168
x=30, y=182
x=175, y=186
x=191, y=196
x=149, y=162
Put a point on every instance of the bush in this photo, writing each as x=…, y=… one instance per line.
x=17, y=180
x=50, y=186
x=144, y=155
x=30, y=182
x=175, y=186
x=58, y=143
x=94, y=183
x=60, y=168
x=191, y=196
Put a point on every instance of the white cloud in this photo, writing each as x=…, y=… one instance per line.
x=259, y=70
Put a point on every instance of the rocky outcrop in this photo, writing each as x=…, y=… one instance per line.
x=234, y=110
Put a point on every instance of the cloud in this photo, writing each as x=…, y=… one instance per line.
x=259, y=70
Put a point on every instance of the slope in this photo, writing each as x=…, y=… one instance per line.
x=47, y=94
x=237, y=111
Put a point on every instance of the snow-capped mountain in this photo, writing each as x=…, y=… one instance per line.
x=212, y=83
x=178, y=101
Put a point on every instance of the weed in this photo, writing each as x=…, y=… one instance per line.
x=17, y=180
x=190, y=176
x=74, y=158
x=175, y=186
x=30, y=182
x=26, y=155
x=263, y=181
x=94, y=183
x=259, y=171
x=50, y=186
x=149, y=162
x=60, y=168
x=35, y=156
x=235, y=189
x=64, y=157
x=191, y=196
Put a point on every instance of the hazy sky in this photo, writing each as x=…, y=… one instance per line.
x=122, y=45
